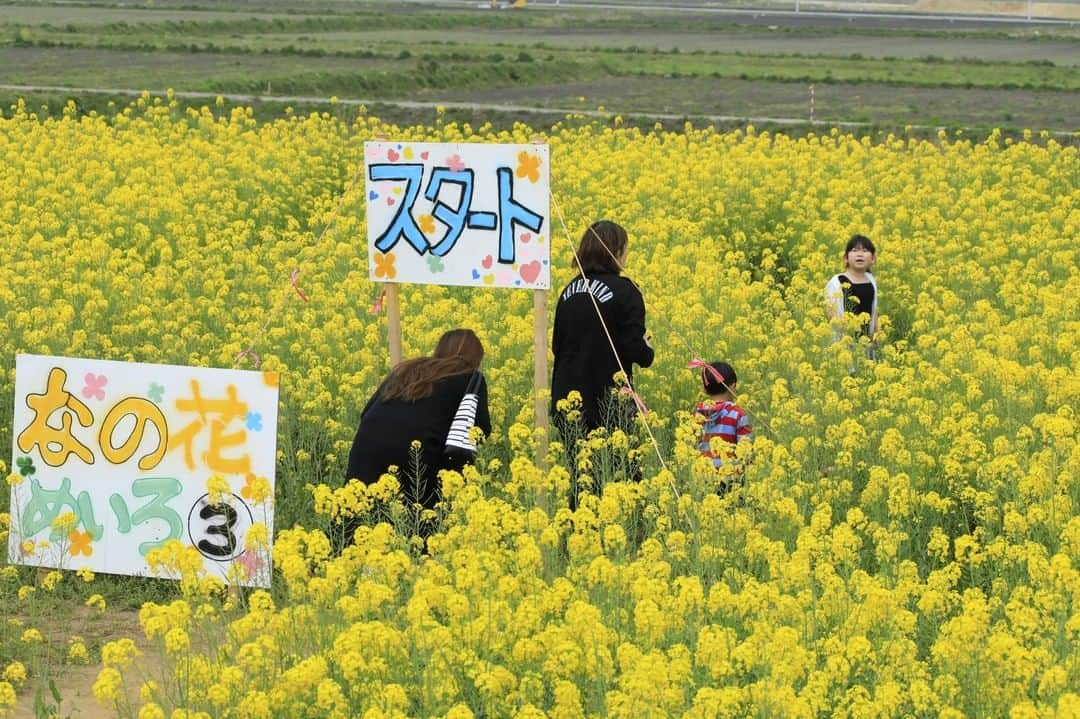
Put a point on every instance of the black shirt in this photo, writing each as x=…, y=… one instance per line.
x=388, y=428
x=858, y=296
x=583, y=357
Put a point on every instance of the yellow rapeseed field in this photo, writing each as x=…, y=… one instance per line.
x=907, y=543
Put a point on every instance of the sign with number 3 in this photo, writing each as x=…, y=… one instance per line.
x=117, y=461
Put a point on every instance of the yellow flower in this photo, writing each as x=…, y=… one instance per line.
x=51, y=580
x=119, y=653
x=108, y=686
x=150, y=710
x=65, y=522
x=915, y=506
x=77, y=652
x=7, y=697
x=257, y=489
x=15, y=673
x=177, y=641
x=218, y=489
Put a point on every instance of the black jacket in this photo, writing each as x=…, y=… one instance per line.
x=583, y=356
x=388, y=428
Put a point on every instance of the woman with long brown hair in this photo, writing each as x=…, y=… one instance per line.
x=417, y=403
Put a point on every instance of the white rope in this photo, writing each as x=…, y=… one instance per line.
x=625, y=376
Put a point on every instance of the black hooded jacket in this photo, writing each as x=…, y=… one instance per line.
x=583, y=356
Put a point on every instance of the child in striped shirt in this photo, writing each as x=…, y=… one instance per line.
x=724, y=423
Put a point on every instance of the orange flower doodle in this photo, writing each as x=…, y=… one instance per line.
x=249, y=486
x=427, y=224
x=384, y=265
x=528, y=166
x=80, y=543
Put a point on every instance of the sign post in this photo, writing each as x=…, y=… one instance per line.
x=393, y=322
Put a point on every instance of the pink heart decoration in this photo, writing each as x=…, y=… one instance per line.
x=423, y=155
x=390, y=201
x=529, y=272
x=525, y=236
x=392, y=155
x=486, y=262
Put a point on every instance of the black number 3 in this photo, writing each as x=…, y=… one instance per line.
x=224, y=530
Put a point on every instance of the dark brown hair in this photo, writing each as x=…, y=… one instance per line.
x=458, y=351
x=601, y=244
x=718, y=385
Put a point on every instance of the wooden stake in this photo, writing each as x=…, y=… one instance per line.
x=393, y=323
x=540, y=364
x=540, y=374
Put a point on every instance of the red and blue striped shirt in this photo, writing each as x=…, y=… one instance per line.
x=725, y=420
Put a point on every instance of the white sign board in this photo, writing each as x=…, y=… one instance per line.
x=127, y=449
x=458, y=214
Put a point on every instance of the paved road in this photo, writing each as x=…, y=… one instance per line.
x=765, y=40
x=868, y=19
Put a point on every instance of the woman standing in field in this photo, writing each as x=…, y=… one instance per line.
x=597, y=309
x=406, y=421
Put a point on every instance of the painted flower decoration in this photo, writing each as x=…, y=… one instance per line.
x=427, y=224
x=251, y=562
x=156, y=393
x=384, y=265
x=528, y=166
x=80, y=543
x=455, y=163
x=254, y=421
x=435, y=264
x=95, y=386
x=26, y=466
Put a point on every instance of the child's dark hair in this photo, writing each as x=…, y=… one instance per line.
x=714, y=385
x=860, y=241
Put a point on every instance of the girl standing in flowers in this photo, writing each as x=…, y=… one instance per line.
x=854, y=291
x=584, y=360
x=406, y=421
x=724, y=424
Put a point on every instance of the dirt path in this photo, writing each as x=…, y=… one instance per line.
x=75, y=683
x=726, y=102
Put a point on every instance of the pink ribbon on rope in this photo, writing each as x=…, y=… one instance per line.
x=249, y=352
x=637, y=400
x=377, y=307
x=293, y=278
x=703, y=365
